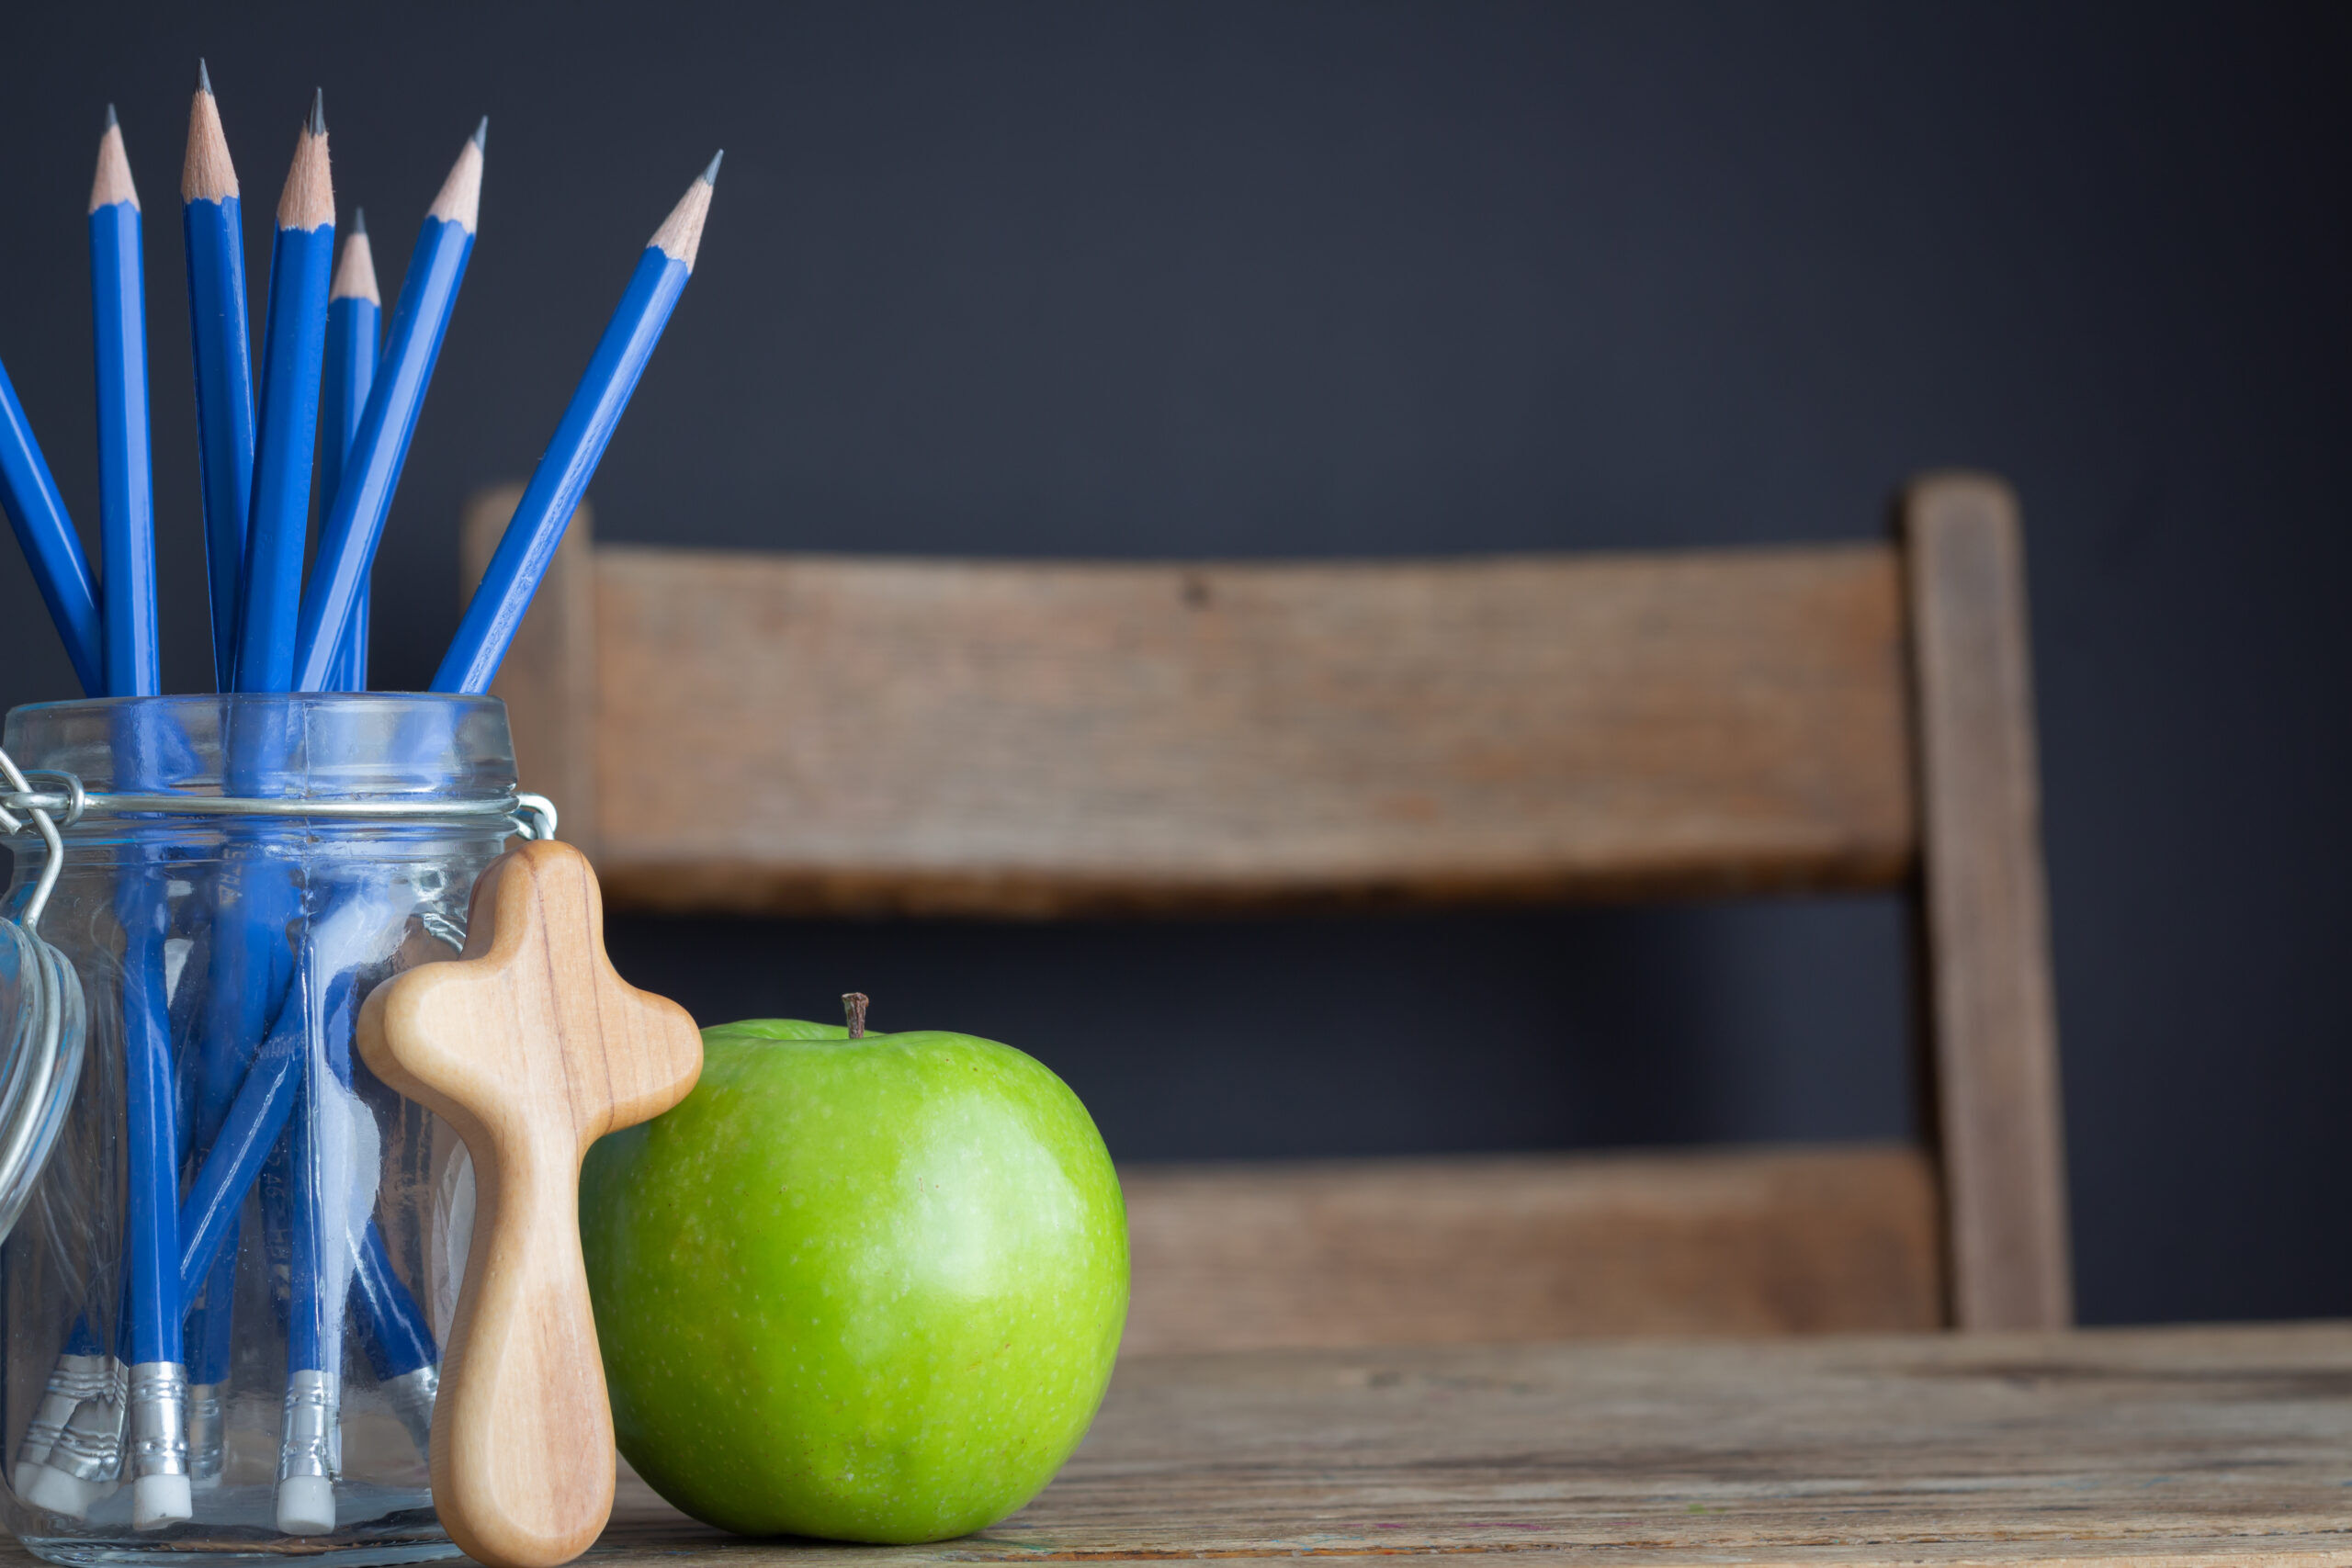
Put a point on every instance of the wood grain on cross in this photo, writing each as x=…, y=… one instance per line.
x=532, y=1048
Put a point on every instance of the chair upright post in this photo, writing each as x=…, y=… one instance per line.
x=1991, y=1012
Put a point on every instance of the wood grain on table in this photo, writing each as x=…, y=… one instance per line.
x=2176, y=1446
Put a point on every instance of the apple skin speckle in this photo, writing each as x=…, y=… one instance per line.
x=910, y=1347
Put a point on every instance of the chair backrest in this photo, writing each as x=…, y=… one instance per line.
x=806, y=734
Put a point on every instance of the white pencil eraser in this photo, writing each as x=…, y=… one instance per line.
x=160, y=1500
x=28, y=1476
x=44, y=1488
x=306, y=1505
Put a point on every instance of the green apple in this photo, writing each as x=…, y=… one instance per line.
x=868, y=1289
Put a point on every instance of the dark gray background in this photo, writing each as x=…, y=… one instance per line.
x=1304, y=278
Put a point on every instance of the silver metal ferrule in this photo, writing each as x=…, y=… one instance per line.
x=71, y=1381
x=410, y=1395
x=207, y=1430
x=90, y=1449
x=158, y=1431
x=307, y=1444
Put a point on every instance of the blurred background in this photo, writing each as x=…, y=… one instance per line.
x=1317, y=280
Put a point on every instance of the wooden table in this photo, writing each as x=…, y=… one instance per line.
x=2175, y=1446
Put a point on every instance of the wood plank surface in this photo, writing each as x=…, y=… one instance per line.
x=2146, y=1447
x=1529, y=1247
x=797, y=734
x=1993, y=1011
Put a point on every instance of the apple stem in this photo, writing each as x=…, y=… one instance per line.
x=853, y=1004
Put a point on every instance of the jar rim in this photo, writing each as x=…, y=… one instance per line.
x=368, y=755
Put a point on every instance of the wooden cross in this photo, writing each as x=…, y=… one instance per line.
x=532, y=1048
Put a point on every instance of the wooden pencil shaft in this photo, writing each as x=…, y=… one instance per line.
x=126, y=478
x=222, y=353
x=348, y=536
x=212, y=225
x=397, y=1336
x=149, y=752
x=314, y=1310
x=397, y=1339
x=498, y=603
x=294, y=345
x=149, y=1332
x=239, y=1130
x=235, y=1154
x=151, y=1240
x=36, y=511
x=350, y=371
x=248, y=970
x=352, y=320
x=535, y=533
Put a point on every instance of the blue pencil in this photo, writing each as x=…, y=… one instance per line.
x=557, y=484
x=355, y=523
x=233, y=1158
x=253, y=982
x=306, y=1052
x=158, y=1379
x=51, y=549
x=399, y=1339
x=335, y=1246
x=239, y=1144
x=254, y=903
x=293, y=339
x=212, y=221
x=354, y=311
x=318, y=1148
x=126, y=477
x=256, y=899
x=154, y=1438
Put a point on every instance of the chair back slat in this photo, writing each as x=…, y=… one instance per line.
x=1534, y=1247
x=808, y=734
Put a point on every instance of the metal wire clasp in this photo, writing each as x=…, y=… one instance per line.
x=75, y=801
x=534, y=817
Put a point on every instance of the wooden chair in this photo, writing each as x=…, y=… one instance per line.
x=723, y=732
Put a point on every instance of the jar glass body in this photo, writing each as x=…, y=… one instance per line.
x=307, y=1271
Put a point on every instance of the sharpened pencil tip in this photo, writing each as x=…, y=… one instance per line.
x=308, y=201
x=460, y=198
x=482, y=135
x=206, y=175
x=680, y=236
x=355, y=274
x=111, y=185
x=710, y=175
x=359, y=222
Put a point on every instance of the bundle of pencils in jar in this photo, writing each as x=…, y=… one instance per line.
x=225, y=965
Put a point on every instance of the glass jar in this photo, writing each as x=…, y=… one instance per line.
x=223, y=1305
